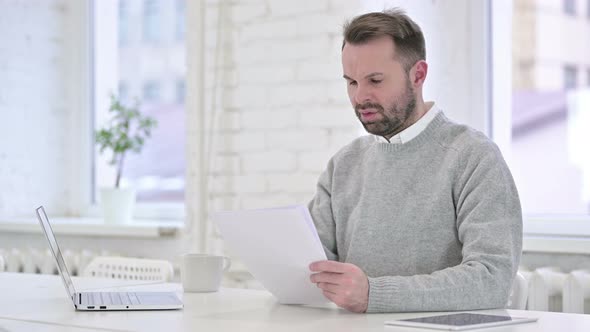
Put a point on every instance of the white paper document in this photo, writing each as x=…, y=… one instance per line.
x=277, y=246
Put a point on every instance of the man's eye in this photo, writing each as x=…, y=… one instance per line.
x=352, y=83
x=376, y=81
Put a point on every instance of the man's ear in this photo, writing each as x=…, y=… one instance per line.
x=418, y=73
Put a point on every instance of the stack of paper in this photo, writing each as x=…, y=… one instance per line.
x=277, y=246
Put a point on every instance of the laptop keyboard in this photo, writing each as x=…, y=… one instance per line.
x=115, y=298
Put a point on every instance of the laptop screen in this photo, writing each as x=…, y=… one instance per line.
x=61, y=264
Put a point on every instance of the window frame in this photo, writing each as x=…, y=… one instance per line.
x=83, y=202
x=82, y=98
x=542, y=233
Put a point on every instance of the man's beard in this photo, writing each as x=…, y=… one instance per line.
x=394, y=120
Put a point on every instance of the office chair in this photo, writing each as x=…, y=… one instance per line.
x=129, y=269
x=518, y=293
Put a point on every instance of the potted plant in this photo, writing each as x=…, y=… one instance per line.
x=126, y=131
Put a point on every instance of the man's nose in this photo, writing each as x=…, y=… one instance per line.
x=362, y=95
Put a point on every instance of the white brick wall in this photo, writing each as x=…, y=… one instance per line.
x=265, y=74
x=288, y=112
x=269, y=161
x=305, y=139
x=34, y=117
x=280, y=8
x=225, y=164
x=248, y=141
x=268, y=119
x=292, y=183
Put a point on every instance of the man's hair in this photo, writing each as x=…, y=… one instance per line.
x=405, y=33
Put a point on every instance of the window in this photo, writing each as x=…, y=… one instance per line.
x=550, y=158
x=133, y=72
x=124, y=92
x=124, y=22
x=570, y=77
x=180, y=91
x=152, y=25
x=180, y=19
x=569, y=7
x=151, y=92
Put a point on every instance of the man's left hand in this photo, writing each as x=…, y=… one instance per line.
x=342, y=283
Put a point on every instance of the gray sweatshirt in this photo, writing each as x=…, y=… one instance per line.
x=435, y=223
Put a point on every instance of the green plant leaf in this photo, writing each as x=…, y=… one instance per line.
x=126, y=130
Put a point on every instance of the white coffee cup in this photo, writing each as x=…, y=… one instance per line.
x=203, y=272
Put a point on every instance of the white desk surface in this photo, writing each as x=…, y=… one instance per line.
x=7, y=325
x=31, y=302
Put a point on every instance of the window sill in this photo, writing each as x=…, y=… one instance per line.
x=569, y=235
x=96, y=227
x=167, y=211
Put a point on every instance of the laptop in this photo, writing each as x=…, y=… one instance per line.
x=99, y=301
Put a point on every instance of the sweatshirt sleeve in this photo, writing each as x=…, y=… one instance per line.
x=320, y=209
x=489, y=226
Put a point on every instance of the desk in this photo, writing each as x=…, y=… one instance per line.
x=7, y=325
x=42, y=300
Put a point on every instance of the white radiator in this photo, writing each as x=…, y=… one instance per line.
x=576, y=292
x=41, y=261
x=37, y=261
x=551, y=289
x=546, y=289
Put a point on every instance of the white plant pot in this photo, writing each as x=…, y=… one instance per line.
x=117, y=204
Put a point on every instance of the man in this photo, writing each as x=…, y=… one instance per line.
x=422, y=215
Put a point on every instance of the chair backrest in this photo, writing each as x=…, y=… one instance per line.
x=129, y=268
x=518, y=293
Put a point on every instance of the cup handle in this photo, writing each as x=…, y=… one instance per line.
x=226, y=263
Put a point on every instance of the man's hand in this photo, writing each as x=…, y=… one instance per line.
x=342, y=283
